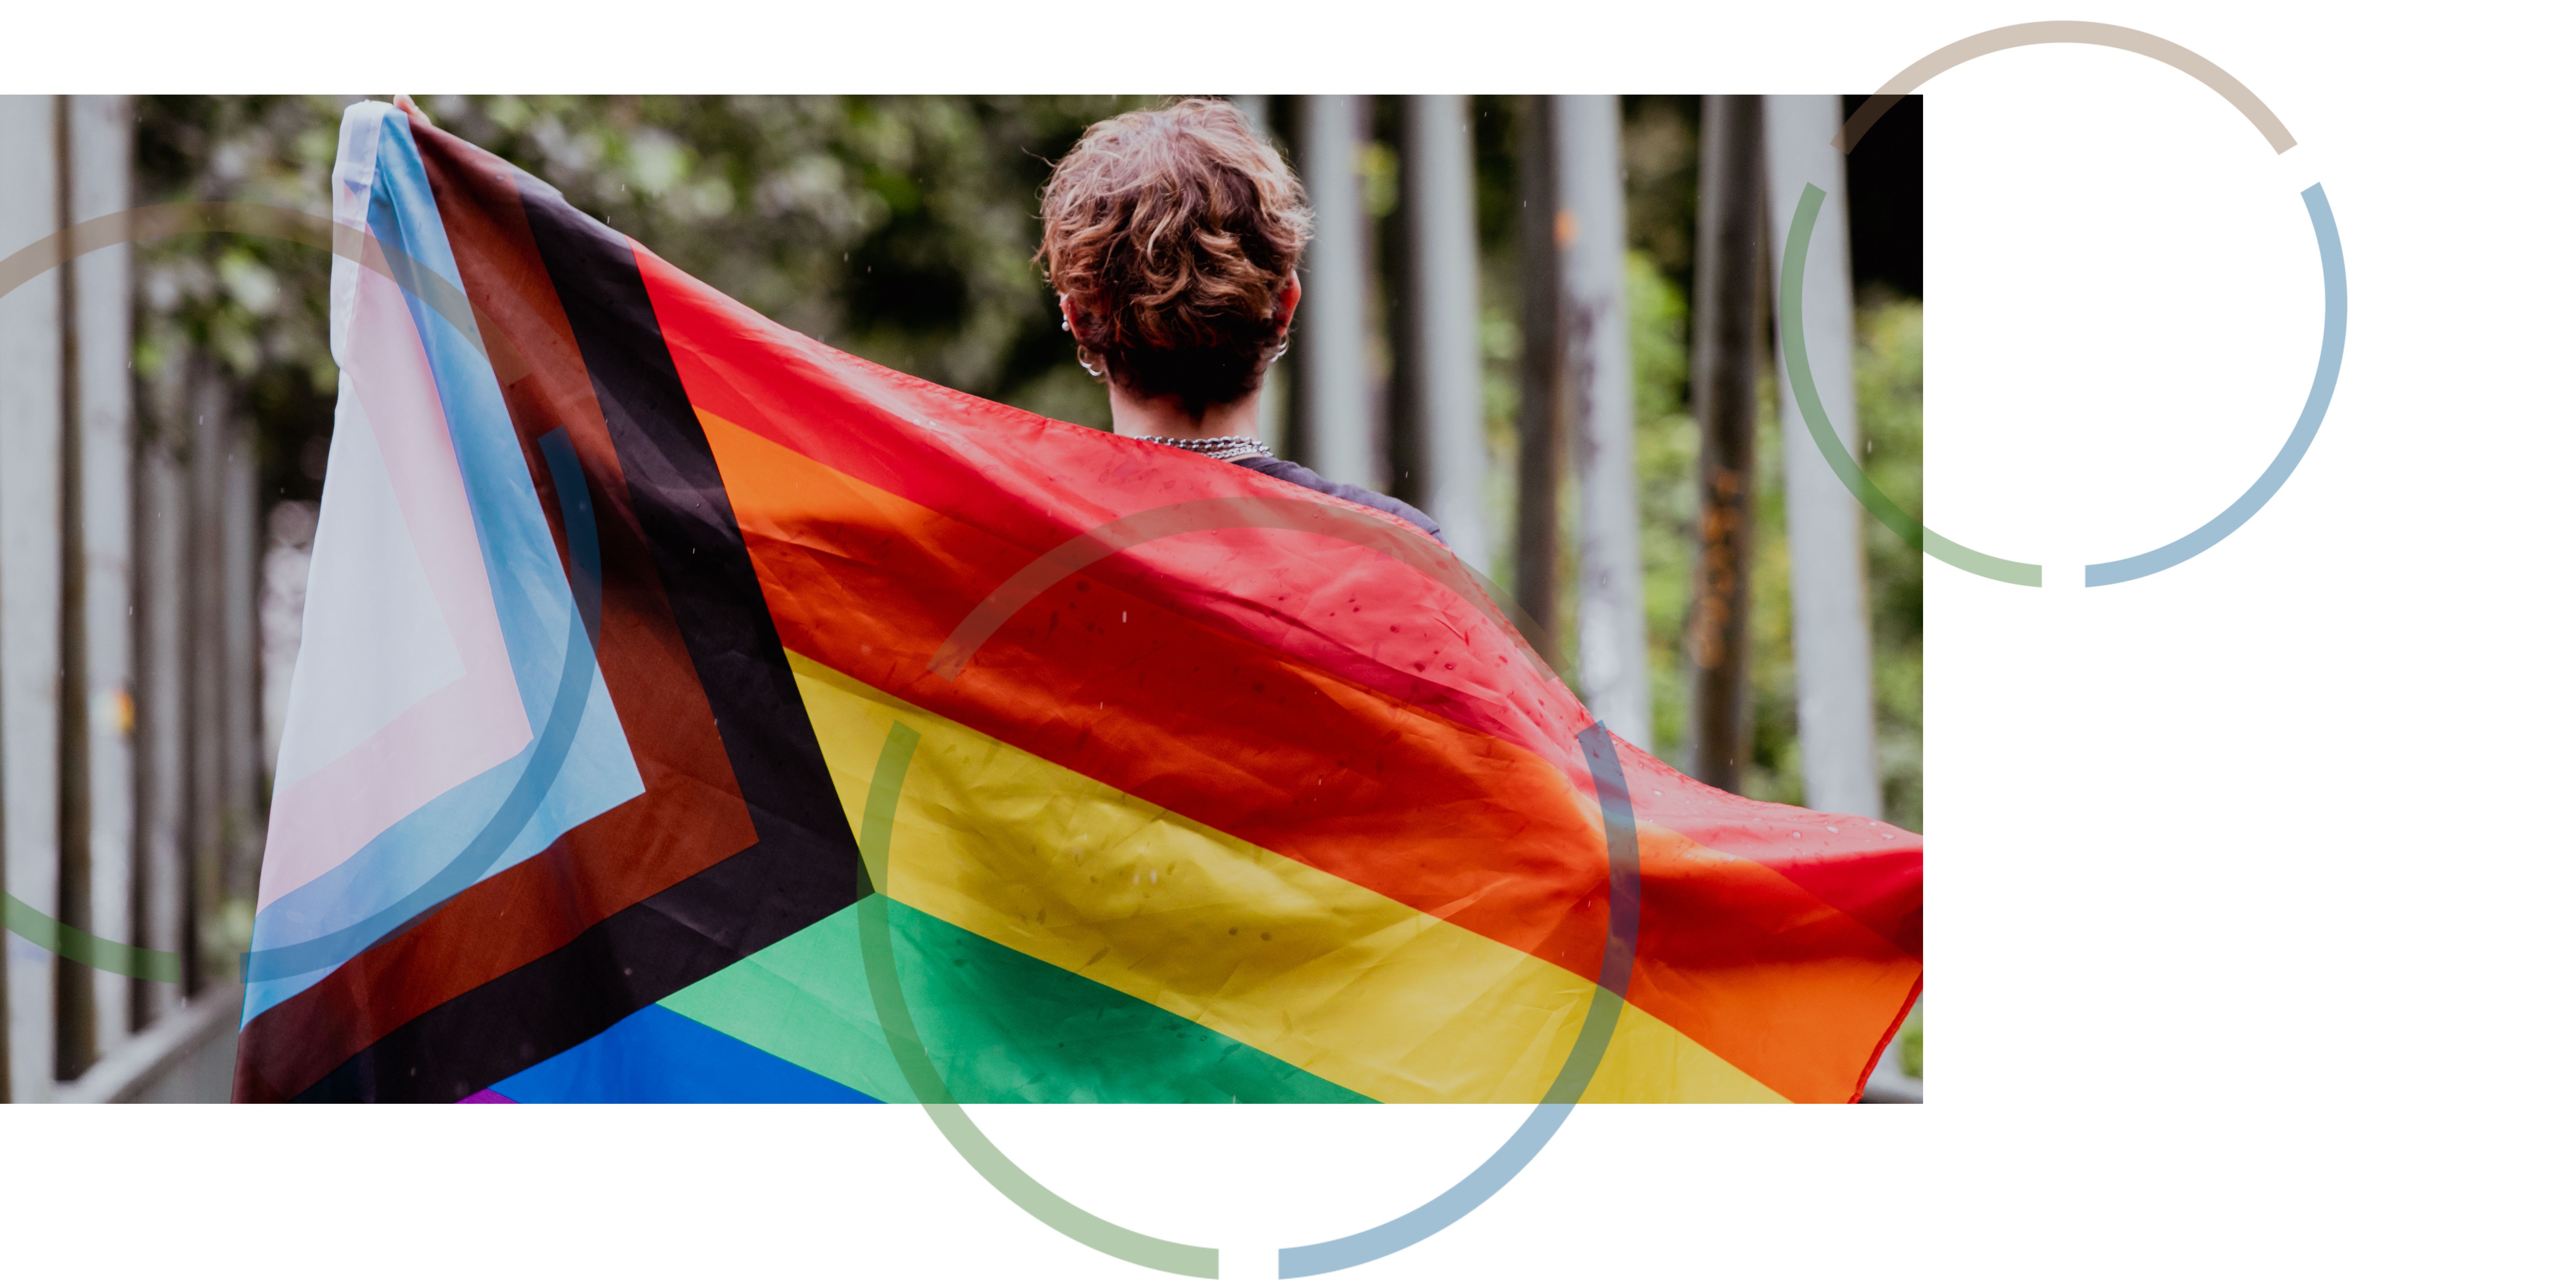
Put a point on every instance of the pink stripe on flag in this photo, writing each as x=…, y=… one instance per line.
x=467, y=726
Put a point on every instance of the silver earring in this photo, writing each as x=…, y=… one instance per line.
x=1083, y=357
x=1281, y=351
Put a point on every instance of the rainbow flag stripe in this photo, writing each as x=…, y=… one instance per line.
x=1242, y=808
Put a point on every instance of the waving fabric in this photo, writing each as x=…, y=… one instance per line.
x=650, y=643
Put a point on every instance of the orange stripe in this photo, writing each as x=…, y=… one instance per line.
x=1750, y=963
x=1031, y=484
x=1103, y=680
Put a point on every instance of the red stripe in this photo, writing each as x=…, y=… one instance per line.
x=1099, y=677
x=1028, y=484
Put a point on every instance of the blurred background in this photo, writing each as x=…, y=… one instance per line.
x=1550, y=321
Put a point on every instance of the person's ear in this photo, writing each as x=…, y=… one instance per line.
x=1064, y=303
x=1288, y=297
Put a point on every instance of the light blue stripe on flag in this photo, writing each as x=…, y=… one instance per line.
x=578, y=764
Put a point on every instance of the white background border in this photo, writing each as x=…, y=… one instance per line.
x=2247, y=881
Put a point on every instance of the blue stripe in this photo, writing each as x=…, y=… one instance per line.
x=529, y=590
x=581, y=532
x=659, y=1057
x=577, y=766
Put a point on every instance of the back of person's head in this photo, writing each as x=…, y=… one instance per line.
x=1173, y=235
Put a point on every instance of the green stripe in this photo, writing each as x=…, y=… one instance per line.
x=1003, y=1027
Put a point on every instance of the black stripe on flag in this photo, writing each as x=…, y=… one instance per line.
x=805, y=865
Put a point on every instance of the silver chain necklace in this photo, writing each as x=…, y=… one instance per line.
x=1221, y=449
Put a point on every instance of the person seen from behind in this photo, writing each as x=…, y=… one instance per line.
x=1172, y=238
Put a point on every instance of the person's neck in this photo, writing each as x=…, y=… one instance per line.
x=1164, y=417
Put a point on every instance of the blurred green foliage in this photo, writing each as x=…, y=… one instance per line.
x=1909, y=1044
x=1887, y=363
x=897, y=228
x=1887, y=372
x=249, y=312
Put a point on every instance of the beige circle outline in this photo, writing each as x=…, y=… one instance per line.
x=2064, y=33
x=252, y=219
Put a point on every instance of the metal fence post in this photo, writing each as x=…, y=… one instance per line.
x=1537, y=536
x=162, y=708
x=1592, y=237
x=31, y=574
x=1829, y=609
x=1273, y=407
x=1448, y=383
x=1332, y=320
x=1726, y=368
x=102, y=162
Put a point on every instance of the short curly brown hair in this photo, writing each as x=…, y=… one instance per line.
x=1173, y=233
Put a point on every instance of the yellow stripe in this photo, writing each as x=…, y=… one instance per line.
x=1323, y=973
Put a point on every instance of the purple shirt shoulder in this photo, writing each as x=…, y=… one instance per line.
x=1292, y=472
